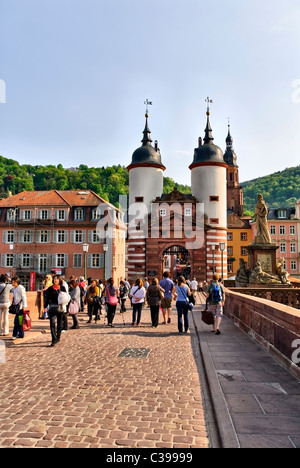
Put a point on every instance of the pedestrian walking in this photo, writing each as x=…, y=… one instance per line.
x=181, y=293
x=19, y=299
x=92, y=293
x=137, y=295
x=46, y=284
x=155, y=294
x=55, y=311
x=111, y=294
x=194, y=288
x=74, y=306
x=123, y=296
x=167, y=285
x=5, y=289
x=216, y=302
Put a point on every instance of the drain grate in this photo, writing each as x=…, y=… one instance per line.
x=135, y=353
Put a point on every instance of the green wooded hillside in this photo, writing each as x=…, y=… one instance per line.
x=280, y=190
x=108, y=182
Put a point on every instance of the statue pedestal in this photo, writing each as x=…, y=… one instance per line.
x=265, y=254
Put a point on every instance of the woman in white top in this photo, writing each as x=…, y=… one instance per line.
x=137, y=296
x=5, y=289
x=21, y=299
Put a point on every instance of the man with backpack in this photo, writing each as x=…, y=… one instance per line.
x=216, y=301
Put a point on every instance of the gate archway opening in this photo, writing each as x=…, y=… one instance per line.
x=177, y=260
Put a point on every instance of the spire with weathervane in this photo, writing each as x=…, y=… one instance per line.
x=208, y=131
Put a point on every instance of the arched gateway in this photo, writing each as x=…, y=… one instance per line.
x=177, y=261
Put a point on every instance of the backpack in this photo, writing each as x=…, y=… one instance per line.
x=216, y=293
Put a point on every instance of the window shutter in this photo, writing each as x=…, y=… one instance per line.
x=4, y=237
x=21, y=237
x=83, y=237
x=38, y=237
x=72, y=240
x=91, y=237
x=89, y=260
x=66, y=260
x=3, y=260
x=54, y=260
x=101, y=260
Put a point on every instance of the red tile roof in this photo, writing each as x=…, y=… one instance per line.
x=53, y=198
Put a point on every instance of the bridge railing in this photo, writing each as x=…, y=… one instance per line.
x=272, y=324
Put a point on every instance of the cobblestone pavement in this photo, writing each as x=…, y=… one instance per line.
x=82, y=394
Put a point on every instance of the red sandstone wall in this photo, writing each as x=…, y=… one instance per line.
x=273, y=325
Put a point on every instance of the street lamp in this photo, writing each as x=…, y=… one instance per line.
x=85, y=248
x=105, y=249
x=213, y=248
x=222, y=248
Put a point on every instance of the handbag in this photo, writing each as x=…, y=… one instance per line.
x=73, y=308
x=207, y=317
x=14, y=309
x=112, y=300
x=26, y=324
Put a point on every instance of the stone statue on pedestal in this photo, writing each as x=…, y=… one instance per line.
x=281, y=272
x=258, y=276
x=261, y=217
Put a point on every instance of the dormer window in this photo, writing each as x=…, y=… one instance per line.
x=78, y=214
x=282, y=214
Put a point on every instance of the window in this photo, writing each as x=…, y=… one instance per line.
x=9, y=237
x=244, y=236
x=292, y=230
x=214, y=220
x=78, y=215
x=96, y=214
x=78, y=237
x=139, y=199
x=27, y=215
x=77, y=261
x=163, y=213
x=273, y=230
x=244, y=251
x=229, y=236
x=188, y=212
x=293, y=248
x=282, y=248
x=9, y=260
x=26, y=237
x=94, y=237
x=44, y=214
x=230, y=251
x=281, y=214
x=26, y=263
x=11, y=215
x=214, y=198
x=95, y=260
x=62, y=237
x=43, y=263
x=60, y=260
x=61, y=215
x=282, y=230
x=293, y=265
x=45, y=237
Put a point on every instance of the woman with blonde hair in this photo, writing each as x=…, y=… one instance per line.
x=155, y=294
x=137, y=296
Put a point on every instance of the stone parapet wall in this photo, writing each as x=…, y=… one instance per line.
x=275, y=326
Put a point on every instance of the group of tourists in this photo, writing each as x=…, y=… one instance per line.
x=62, y=299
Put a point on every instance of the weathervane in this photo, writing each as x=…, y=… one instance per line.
x=148, y=103
x=209, y=101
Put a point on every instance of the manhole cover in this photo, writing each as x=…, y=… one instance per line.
x=135, y=353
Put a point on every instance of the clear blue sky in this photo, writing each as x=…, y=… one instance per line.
x=77, y=73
